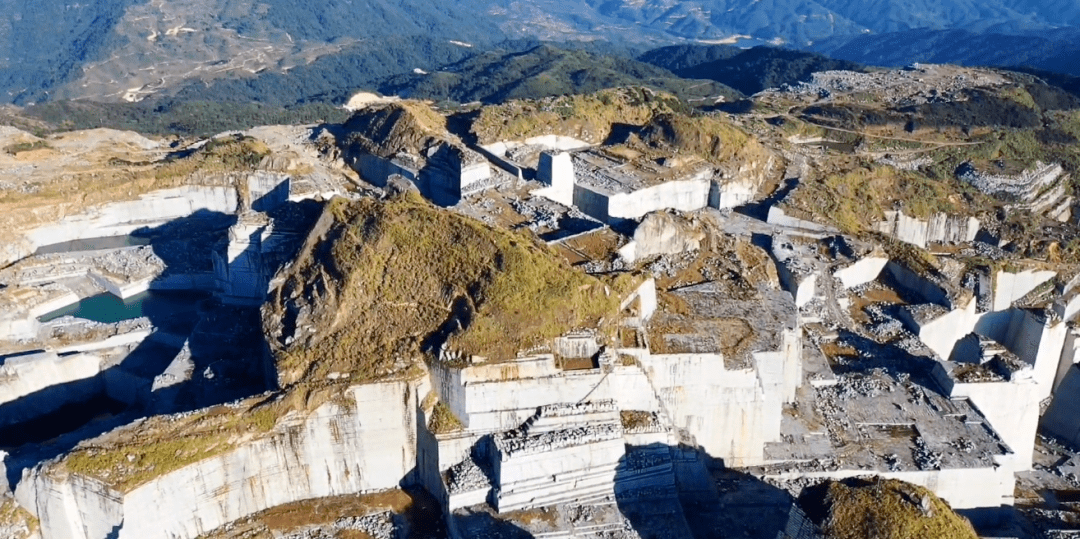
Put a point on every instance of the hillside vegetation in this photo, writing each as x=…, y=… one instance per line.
x=170, y=117
x=748, y=71
x=496, y=76
x=102, y=50
x=590, y=117
x=882, y=509
x=384, y=283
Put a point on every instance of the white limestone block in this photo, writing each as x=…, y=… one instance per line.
x=1009, y=287
x=864, y=271
x=25, y=375
x=557, y=171
x=683, y=195
x=333, y=451
x=941, y=334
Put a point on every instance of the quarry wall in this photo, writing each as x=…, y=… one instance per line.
x=939, y=228
x=337, y=449
x=151, y=209
x=688, y=195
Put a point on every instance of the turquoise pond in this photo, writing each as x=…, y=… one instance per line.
x=107, y=308
x=92, y=244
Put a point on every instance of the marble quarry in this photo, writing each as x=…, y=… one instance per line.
x=1041, y=189
x=613, y=190
x=939, y=228
x=758, y=345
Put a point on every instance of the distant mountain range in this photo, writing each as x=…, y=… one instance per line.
x=1051, y=50
x=495, y=76
x=132, y=49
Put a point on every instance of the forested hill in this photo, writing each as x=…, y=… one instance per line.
x=134, y=49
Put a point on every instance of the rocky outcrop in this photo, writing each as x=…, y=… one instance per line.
x=663, y=233
x=119, y=218
x=1043, y=188
x=410, y=139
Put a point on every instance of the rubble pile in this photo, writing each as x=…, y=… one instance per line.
x=376, y=526
x=917, y=85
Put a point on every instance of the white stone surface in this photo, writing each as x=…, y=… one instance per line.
x=502, y=396
x=557, y=172
x=239, y=271
x=475, y=173
x=1070, y=355
x=941, y=334
x=1063, y=416
x=646, y=298
x=963, y=488
x=72, y=507
x=1012, y=408
x=730, y=414
x=919, y=285
x=688, y=195
x=777, y=217
x=151, y=209
x=25, y=375
x=569, y=455
x=557, y=142
x=731, y=194
x=1009, y=287
x=866, y=270
x=661, y=233
x=334, y=451
x=940, y=228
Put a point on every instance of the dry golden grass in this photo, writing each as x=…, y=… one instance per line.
x=160, y=445
x=294, y=516
x=710, y=137
x=588, y=117
x=853, y=201
x=632, y=419
x=443, y=420
x=13, y=515
x=884, y=509
x=389, y=274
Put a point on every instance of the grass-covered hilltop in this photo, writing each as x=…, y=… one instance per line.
x=382, y=284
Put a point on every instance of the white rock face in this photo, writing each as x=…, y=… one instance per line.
x=1009, y=287
x=864, y=271
x=940, y=228
x=503, y=396
x=119, y=218
x=1013, y=408
x=661, y=233
x=730, y=414
x=557, y=171
x=1063, y=416
x=942, y=333
x=688, y=195
x=365, y=446
x=778, y=217
x=21, y=376
x=563, y=453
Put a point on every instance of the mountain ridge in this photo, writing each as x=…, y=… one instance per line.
x=135, y=48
